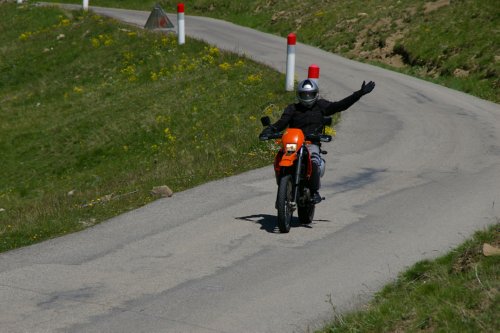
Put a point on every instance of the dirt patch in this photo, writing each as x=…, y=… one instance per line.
x=432, y=6
x=460, y=73
x=384, y=46
x=467, y=260
x=470, y=257
x=385, y=52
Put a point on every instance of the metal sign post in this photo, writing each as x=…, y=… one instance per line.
x=180, y=23
x=290, y=62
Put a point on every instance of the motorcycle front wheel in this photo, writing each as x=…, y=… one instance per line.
x=285, y=198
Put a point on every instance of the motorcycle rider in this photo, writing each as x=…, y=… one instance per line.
x=308, y=115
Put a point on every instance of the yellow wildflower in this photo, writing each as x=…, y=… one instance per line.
x=208, y=58
x=330, y=131
x=254, y=78
x=162, y=119
x=104, y=39
x=129, y=70
x=225, y=66
x=25, y=35
x=214, y=51
x=128, y=56
x=272, y=109
x=168, y=135
x=164, y=72
x=192, y=66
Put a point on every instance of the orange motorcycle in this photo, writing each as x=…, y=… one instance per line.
x=293, y=168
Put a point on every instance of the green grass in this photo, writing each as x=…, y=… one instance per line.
x=456, y=45
x=105, y=112
x=94, y=114
x=458, y=292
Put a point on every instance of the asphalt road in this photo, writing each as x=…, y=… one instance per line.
x=415, y=169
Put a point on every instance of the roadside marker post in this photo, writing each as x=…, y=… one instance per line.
x=85, y=5
x=290, y=62
x=181, y=34
x=313, y=73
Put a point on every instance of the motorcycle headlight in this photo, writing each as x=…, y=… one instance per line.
x=291, y=148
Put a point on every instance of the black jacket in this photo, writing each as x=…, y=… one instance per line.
x=310, y=120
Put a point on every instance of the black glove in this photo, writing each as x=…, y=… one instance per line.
x=267, y=131
x=367, y=88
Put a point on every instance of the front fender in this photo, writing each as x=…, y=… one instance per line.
x=287, y=160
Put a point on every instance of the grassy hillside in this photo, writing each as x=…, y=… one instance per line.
x=94, y=114
x=458, y=292
x=451, y=42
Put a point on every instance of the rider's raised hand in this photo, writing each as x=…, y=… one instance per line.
x=367, y=88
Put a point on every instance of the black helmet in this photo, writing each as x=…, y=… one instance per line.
x=307, y=92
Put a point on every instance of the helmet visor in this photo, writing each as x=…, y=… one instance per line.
x=307, y=95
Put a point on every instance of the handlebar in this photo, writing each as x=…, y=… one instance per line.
x=319, y=137
x=270, y=136
x=309, y=137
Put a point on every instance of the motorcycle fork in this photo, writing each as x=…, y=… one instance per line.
x=298, y=172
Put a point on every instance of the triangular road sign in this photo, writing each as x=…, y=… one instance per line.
x=158, y=19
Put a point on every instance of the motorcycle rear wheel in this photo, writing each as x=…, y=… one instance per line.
x=285, y=211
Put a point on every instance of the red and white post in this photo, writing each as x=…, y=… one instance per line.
x=181, y=33
x=85, y=5
x=290, y=62
x=313, y=73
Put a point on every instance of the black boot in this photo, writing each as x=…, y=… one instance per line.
x=316, y=197
x=314, y=184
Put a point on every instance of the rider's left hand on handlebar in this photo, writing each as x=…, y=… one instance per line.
x=268, y=131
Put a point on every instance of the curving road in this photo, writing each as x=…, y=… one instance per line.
x=415, y=169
